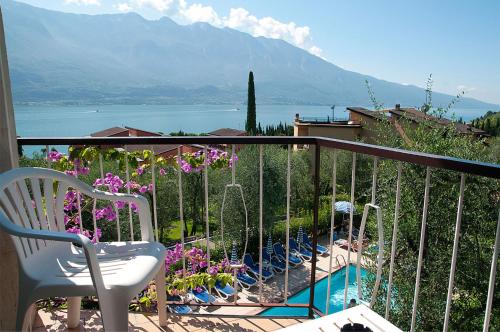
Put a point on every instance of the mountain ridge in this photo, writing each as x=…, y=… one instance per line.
x=58, y=57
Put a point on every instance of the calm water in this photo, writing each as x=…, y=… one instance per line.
x=336, y=296
x=83, y=120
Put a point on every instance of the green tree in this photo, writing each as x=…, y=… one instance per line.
x=251, y=123
x=477, y=231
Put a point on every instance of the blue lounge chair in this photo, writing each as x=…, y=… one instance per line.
x=204, y=296
x=301, y=250
x=277, y=265
x=178, y=308
x=224, y=291
x=280, y=253
x=307, y=243
x=245, y=280
x=254, y=268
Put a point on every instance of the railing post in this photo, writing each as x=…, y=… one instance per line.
x=317, y=160
x=454, y=253
x=491, y=284
x=421, y=249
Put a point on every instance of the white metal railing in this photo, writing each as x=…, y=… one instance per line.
x=388, y=301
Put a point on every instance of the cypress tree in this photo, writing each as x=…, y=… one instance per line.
x=251, y=123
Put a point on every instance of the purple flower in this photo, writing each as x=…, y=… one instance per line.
x=143, y=189
x=140, y=170
x=134, y=207
x=54, y=156
x=213, y=270
x=163, y=172
x=120, y=204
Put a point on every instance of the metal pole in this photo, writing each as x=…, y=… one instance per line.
x=288, y=189
x=317, y=159
x=181, y=210
x=351, y=218
x=261, y=212
x=491, y=285
x=207, y=222
x=421, y=248
x=153, y=179
x=332, y=222
x=455, y=252
x=394, y=240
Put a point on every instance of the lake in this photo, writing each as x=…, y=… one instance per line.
x=71, y=121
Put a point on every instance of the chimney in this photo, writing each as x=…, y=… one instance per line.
x=297, y=117
x=398, y=107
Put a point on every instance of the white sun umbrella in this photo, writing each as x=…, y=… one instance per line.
x=234, y=254
x=269, y=247
x=300, y=235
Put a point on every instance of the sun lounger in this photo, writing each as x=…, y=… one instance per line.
x=267, y=273
x=301, y=250
x=178, y=308
x=307, y=243
x=277, y=265
x=224, y=291
x=245, y=280
x=293, y=259
x=203, y=296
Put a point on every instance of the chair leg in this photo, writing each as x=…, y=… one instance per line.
x=74, y=304
x=22, y=310
x=114, y=313
x=161, y=295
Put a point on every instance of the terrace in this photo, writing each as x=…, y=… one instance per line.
x=377, y=170
x=242, y=313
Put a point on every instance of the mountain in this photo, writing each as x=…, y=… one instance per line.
x=124, y=58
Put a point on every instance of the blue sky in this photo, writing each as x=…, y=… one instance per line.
x=457, y=41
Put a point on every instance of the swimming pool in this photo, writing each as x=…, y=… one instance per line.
x=320, y=290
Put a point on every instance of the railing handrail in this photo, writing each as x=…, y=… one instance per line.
x=425, y=159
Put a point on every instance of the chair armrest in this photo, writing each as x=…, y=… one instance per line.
x=88, y=247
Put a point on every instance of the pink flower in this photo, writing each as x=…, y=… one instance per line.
x=163, y=172
x=143, y=189
x=140, y=170
x=150, y=187
x=54, y=156
x=134, y=207
x=120, y=204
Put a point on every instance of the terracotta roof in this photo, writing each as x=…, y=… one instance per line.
x=227, y=132
x=367, y=112
x=153, y=133
x=109, y=132
x=418, y=116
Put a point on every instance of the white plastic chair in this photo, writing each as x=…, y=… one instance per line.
x=56, y=263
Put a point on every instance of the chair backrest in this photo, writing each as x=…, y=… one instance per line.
x=33, y=198
x=278, y=249
x=293, y=244
x=248, y=261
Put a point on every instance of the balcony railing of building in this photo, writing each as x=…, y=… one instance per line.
x=323, y=120
x=432, y=163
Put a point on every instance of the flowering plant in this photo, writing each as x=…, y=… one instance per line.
x=195, y=162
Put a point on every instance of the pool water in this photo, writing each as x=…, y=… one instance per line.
x=320, y=293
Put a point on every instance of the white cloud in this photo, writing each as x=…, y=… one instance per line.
x=465, y=88
x=123, y=7
x=238, y=18
x=83, y=2
x=241, y=19
x=159, y=5
x=199, y=13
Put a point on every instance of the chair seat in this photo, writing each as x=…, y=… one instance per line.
x=61, y=269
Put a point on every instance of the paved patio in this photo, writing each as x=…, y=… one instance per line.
x=273, y=291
